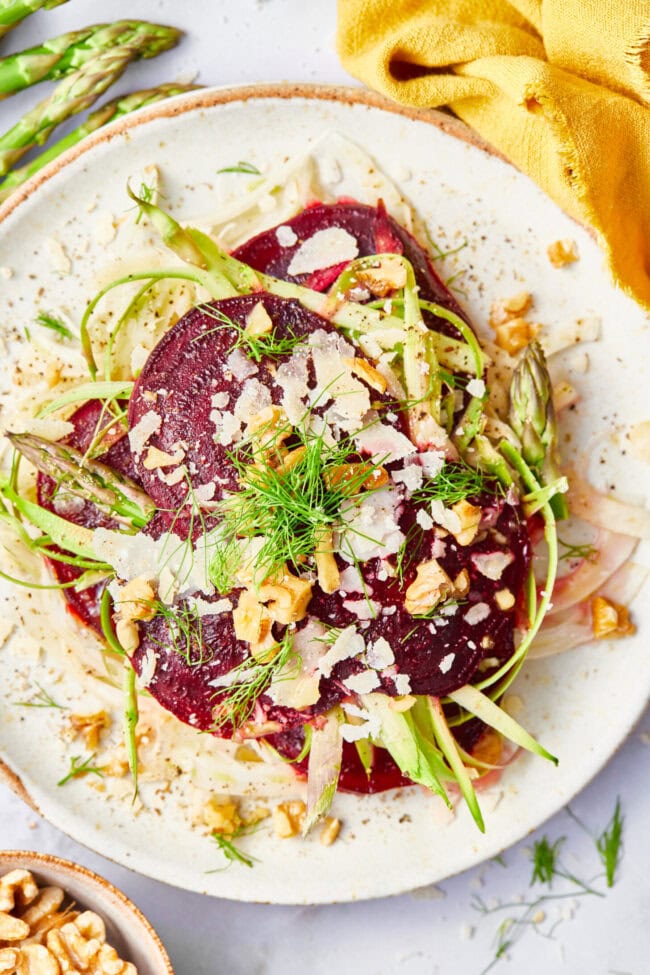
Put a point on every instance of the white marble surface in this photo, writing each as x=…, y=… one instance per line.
x=430, y=931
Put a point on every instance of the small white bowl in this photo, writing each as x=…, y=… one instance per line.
x=127, y=929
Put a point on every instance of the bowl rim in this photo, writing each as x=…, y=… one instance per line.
x=95, y=880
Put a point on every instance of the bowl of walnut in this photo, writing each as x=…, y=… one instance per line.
x=57, y=918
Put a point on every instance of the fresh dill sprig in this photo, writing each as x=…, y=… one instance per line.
x=586, y=551
x=408, y=551
x=146, y=194
x=80, y=767
x=55, y=324
x=292, y=506
x=186, y=632
x=251, y=677
x=257, y=347
x=546, y=868
x=231, y=852
x=241, y=167
x=455, y=482
x=41, y=700
x=610, y=844
x=545, y=860
x=441, y=254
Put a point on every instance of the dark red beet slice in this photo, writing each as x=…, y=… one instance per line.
x=375, y=233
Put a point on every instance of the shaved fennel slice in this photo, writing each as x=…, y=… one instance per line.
x=573, y=627
x=604, y=511
x=324, y=768
x=613, y=551
x=333, y=167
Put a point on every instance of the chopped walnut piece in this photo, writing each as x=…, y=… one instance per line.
x=505, y=309
x=370, y=375
x=46, y=903
x=90, y=727
x=136, y=602
x=38, y=960
x=329, y=577
x=387, y=274
x=269, y=427
x=430, y=586
x=562, y=252
x=288, y=818
x=12, y=928
x=610, y=619
x=17, y=888
x=515, y=334
x=255, y=816
x=222, y=816
x=251, y=619
x=470, y=518
x=504, y=599
x=342, y=474
x=330, y=831
x=286, y=596
x=9, y=958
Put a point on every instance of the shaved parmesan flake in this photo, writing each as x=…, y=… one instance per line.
x=348, y=644
x=362, y=683
x=286, y=236
x=477, y=613
x=324, y=249
x=476, y=387
x=148, y=424
x=411, y=476
x=492, y=564
x=380, y=654
x=402, y=683
x=384, y=443
x=445, y=664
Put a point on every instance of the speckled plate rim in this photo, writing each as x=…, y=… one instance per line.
x=210, y=98
x=35, y=860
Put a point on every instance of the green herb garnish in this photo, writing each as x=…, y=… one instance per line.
x=570, y=552
x=41, y=700
x=257, y=347
x=55, y=324
x=250, y=678
x=231, y=852
x=455, y=482
x=610, y=844
x=291, y=506
x=241, y=167
x=80, y=767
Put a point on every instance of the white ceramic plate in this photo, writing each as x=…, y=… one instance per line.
x=581, y=705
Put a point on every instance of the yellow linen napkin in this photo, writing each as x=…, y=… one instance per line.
x=561, y=87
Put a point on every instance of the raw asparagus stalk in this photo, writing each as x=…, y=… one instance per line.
x=107, y=113
x=532, y=417
x=13, y=11
x=74, y=94
x=114, y=494
x=60, y=56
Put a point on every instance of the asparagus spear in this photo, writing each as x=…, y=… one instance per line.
x=60, y=56
x=107, y=113
x=532, y=417
x=13, y=11
x=74, y=94
x=114, y=494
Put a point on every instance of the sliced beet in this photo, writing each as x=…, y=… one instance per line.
x=375, y=233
